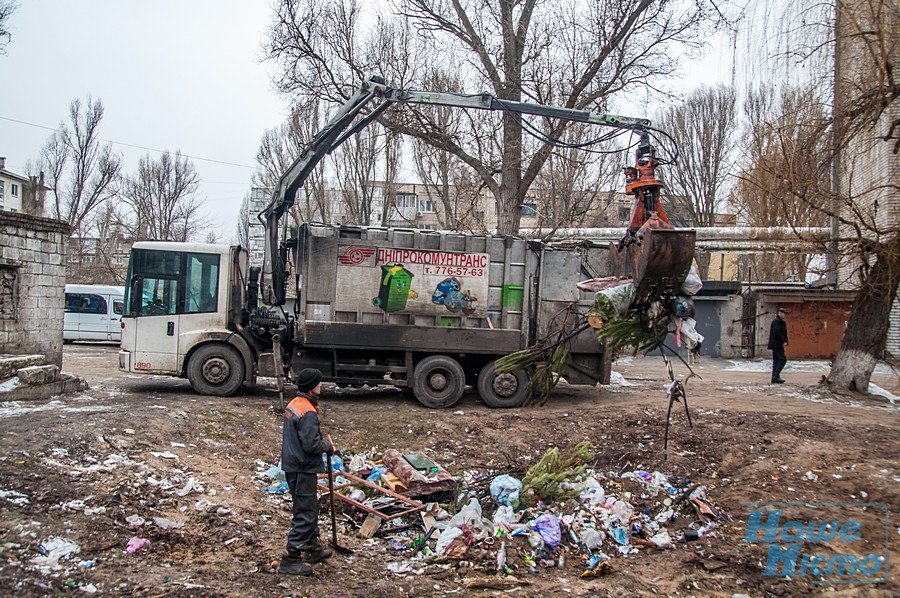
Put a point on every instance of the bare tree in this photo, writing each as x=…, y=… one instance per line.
x=161, y=194
x=7, y=8
x=354, y=165
x=705, y=126
x=242, y=231
x=571, y=189
x=447, y=180
x=393, y=148
x=574, y=54
x=860, y=37
x=81, y=172
x=783, y=172
x=280, y=147
x=98, y=251
x=866, y=135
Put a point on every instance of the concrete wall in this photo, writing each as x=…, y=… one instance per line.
x=32, y=285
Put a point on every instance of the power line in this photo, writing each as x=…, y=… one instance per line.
x=151, y=149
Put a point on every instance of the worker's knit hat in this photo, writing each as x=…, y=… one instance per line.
x=308, y=379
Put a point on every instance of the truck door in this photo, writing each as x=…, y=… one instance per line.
x=154, y=332
x=174, y=298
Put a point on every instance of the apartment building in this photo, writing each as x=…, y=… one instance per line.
x=19, y=193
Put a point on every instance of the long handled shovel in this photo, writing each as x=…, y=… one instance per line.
x=334, y=540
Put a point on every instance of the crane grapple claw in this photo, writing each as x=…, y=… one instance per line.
x=659, y=264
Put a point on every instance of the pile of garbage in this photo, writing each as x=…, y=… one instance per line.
x=560, y=509
x=607, y=515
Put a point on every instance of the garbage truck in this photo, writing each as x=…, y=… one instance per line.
x=428, y=311
x=423, y=310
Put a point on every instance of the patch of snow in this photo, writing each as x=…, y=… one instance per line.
x=617, y=379
x=14, y=496
x=14, y=408
x=814, y=365
x=9, y=384
x=877, y=390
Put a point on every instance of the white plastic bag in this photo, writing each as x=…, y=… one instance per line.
x=447, y=536
x=593, y=492
x=469, y=514
x=505, y=514
x=689, y=334
x=692, y=284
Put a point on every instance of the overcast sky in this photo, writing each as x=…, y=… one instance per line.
x=173, y=75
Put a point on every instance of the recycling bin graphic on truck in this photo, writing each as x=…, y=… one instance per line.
x=450, y=294
x=419, y=282
x=395, y=289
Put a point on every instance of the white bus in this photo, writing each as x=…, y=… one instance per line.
x=93, y=313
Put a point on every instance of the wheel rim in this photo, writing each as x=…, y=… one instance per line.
x=438, y=381
x=505, y=385
x=216, y=370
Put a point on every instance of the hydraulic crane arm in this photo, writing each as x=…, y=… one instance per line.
x=342, y=126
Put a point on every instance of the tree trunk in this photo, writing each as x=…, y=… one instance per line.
x=510, y=214
x=864, y=339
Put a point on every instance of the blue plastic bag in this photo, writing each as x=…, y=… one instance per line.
x=505, y=490
x=377, y=472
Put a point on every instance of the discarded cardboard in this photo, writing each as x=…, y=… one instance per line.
x=370, y=526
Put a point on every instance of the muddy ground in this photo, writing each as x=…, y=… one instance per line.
x=82, y=467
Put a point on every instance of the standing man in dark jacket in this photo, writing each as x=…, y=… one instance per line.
x=778, y=340
x=302, y=447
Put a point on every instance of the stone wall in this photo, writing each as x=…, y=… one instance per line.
x=32, y=285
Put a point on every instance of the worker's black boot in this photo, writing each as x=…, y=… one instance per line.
x=317, y=554
x=292, y=563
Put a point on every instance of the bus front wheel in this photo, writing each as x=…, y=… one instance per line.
x=216, y=370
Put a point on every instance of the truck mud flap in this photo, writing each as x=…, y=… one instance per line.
x=659, y=264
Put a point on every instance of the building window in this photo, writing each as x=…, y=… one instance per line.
x=2, y=183
x=13, y=190
x=426, y=206
x=624, y=213
x=405, y=200
x=528, y=209
x=479, y=216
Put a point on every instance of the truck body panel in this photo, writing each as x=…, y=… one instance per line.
x=474, y=298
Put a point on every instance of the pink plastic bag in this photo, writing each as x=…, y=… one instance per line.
x=136, y=544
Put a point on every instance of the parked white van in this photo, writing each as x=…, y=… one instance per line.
x=93, y=313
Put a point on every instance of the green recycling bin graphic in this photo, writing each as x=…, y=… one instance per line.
x=395, y=288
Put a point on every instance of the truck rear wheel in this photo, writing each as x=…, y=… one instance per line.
x=503, y=390
x=216, y=370
x=438, y=381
